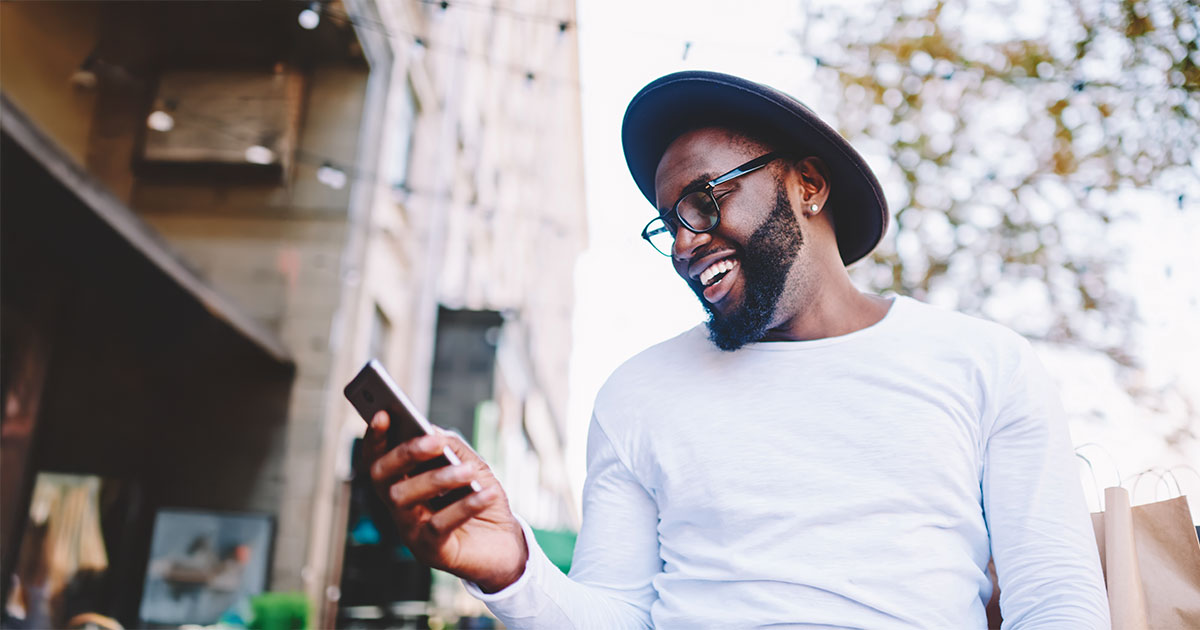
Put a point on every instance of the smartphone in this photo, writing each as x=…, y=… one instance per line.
x=373, y=390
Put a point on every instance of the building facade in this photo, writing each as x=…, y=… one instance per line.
x=258, y=207
x=467, y=283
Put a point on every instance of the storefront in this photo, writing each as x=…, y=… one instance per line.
x=131, y=390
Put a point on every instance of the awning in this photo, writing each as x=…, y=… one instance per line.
x=133, y=230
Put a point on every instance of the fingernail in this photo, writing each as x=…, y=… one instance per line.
x=377, y=418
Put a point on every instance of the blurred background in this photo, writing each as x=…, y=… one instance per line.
x=214, y=213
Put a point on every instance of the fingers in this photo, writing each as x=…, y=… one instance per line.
x=416, y=490
x=402, y=460
x=460, y=447
x=442, y=523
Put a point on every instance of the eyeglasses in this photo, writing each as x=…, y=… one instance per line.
x=697, y=210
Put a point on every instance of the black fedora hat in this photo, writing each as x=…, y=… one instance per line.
x=672, y=105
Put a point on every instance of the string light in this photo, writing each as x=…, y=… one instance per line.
x=160, y=120
x=258, y=154
x=331, y=176
x=395, y=34
x=422, y=44
x=562, y=24
x=310, y=17
x=85, y=75
x=329, y=172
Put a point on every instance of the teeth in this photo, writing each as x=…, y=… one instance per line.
x=716, y=268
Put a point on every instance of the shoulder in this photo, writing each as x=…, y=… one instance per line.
x=992, y=363
x=957, y=332
x=940, y=341
x=643, y=374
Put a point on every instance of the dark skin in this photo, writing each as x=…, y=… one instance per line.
x=819, y=300
x=478, y=538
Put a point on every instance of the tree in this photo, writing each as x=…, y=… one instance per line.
x=1014, y=130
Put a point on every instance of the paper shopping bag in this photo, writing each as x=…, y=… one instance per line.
x=1151, y=561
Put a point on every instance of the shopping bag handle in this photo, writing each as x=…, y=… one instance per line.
x=1091, y=469
x=1162, y=479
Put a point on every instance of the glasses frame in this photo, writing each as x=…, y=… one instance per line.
x=707, y=187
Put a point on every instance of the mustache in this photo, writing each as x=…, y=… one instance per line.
x=765, y=261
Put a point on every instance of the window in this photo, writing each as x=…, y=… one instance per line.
x=464, y=366
x=406, y=110
x=381, y=332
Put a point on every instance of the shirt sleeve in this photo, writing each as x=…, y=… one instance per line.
x=1041, y=535
x=616, y=557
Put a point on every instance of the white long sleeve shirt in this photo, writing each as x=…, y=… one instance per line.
x=858, y=481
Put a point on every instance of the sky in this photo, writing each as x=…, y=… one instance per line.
x=628, y=297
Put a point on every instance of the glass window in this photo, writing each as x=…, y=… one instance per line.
x=381, y=332
x=406, y=112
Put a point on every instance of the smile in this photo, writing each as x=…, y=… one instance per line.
x=716, y=271
x=718, y=278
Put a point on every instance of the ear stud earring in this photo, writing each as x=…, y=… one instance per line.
x=814, y=208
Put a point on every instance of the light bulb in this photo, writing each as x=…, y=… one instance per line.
x=258, y=154
x=159, y=120
x=331, y=176
x=83, y=78
x=310, y=17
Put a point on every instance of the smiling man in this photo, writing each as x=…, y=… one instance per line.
x=813, y=457
x=753, y=274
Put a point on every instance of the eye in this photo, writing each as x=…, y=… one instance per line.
x=721, y=193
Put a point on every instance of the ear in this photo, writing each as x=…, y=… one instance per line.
x=814, y=181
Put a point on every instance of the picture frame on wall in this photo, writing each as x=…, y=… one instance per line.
x=71, y=549
x=204, y=564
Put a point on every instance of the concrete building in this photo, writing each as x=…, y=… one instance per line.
x=485, y=209
x=260, y=207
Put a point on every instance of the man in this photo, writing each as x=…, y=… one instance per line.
x=818, y=457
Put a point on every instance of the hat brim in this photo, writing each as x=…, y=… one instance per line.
x=677, y=103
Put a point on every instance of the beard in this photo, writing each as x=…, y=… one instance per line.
x=765, y=261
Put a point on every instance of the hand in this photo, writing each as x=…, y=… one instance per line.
x=477, y=537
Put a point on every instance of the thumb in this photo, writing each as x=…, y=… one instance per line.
x=375, y=440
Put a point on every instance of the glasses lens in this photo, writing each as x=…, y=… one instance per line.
x=660, y=237
x=698, y=210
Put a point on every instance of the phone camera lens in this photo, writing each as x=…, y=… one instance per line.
x=368, y=396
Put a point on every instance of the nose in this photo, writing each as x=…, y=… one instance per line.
x=686, y=244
